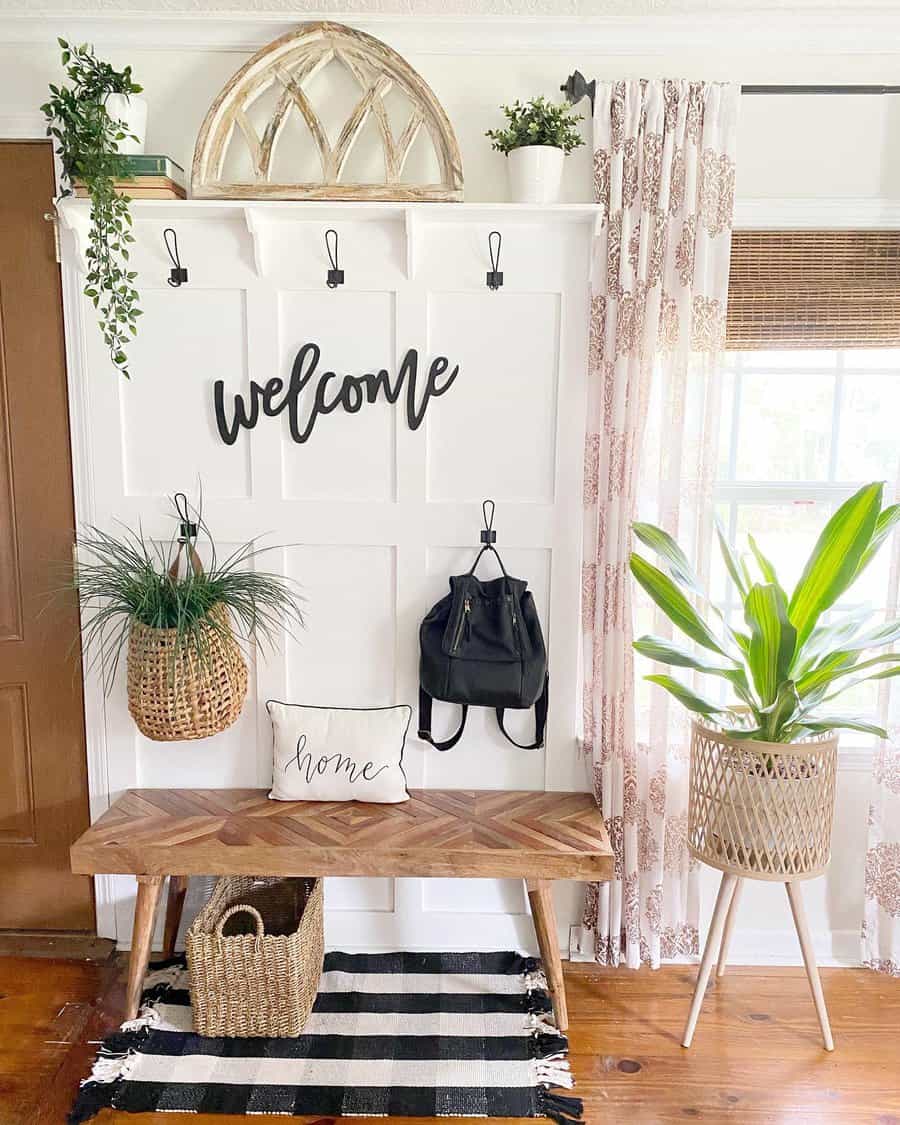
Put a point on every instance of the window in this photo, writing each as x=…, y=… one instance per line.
x=800, y=430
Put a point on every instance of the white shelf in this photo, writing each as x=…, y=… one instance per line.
x=309, y=210
x=257, y=215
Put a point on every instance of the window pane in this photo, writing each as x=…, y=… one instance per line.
x=872, y=359
x=785, y=426
x=869, y=444
x=790, y=359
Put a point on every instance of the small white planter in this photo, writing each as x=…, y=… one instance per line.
x=535, y=174
x=132, y=110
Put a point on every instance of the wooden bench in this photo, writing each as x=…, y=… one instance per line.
x=154, y=833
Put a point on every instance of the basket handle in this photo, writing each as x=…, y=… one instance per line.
x=237, y=909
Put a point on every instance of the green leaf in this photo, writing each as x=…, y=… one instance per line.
x=842, y=664
x=774, y=718
x=673, y=603
x=665, y=546
x=884, y=525
x=826, y=639
x=685, y=696
x=772, y=640
x=766, y=569
x=666, y=652
x=825, y=723
x=731, y=561
x=835, y=559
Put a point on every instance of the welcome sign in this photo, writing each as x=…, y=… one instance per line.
x=329, y=392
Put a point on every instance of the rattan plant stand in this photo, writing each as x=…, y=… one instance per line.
x=759, y=810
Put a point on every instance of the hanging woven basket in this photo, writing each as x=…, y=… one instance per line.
x=177, y=691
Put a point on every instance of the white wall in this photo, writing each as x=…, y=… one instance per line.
x=841, y=148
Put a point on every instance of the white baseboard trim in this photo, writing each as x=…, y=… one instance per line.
x=835, y=949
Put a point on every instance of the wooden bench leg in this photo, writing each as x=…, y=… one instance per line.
x=544, y=915
x=174, y=908
x=148, y=889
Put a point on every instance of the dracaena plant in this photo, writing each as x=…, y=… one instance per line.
x=784, y=666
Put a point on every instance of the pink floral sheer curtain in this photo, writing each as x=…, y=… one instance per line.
x=664, y=173
x=881, y=917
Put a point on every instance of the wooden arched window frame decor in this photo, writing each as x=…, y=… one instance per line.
x=288, y=64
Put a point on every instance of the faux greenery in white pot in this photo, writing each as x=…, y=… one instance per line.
x=762, y=763
x=90, y=140
x=536, y=139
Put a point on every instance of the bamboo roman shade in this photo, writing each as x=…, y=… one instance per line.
x=814, y=289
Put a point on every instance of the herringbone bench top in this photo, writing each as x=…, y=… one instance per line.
x=441, y=832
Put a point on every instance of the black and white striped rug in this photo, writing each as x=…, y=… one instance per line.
x=394, y=1034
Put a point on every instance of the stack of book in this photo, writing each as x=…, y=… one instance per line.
x=149, y=177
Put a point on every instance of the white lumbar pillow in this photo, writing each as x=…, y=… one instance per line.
x=339, y=753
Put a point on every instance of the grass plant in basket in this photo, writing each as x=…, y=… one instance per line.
x=182, y=625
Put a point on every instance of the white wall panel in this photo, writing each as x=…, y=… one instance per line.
x=347, y=456
x=370, y=517
x=168, y=435
x=345, y=655
x=496, y=435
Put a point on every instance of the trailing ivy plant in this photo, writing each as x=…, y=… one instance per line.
x=788, y=665
x=538, y=122
x=87, y=140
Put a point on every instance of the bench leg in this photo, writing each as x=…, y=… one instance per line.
x=544, y=916
x=148, y=890
x=174, y=907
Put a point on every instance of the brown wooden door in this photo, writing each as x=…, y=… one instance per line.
x=43, y=769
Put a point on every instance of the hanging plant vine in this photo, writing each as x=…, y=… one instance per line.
x=87, y=140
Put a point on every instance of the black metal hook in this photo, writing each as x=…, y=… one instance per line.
x=488, y=535
x=187, y=528
x=494, y=277
x=335, y=274
x=178, y=275
x=576, y=87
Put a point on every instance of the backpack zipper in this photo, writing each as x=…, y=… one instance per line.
x=463, y=621
x=510, y=601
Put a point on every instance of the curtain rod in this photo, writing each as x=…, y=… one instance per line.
x=577, y=87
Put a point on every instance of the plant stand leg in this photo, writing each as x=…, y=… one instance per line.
x=148, y=890
x=726, y=888
x=174, y=908
x=544, y=916
x=730, y=919
x=809, y=960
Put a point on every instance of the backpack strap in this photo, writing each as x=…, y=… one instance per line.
x=540, y=719
x=425, y=702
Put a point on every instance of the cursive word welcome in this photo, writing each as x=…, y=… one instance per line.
x=303, y=759
x=350, y=393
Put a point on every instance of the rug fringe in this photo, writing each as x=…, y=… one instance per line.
x=114, y=1063
x=546, y=1046
x=562, y=1110
x=553, y=1071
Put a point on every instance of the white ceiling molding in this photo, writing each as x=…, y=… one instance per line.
x=590, y=27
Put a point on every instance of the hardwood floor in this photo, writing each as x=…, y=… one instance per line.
x=757, y=1055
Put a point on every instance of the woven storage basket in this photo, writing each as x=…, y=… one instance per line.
x=176, y=693
x=254, y=956
x=761, y=809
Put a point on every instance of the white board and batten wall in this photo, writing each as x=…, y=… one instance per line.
x=375, y=516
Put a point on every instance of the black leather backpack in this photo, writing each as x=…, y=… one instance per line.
x=482, y=646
